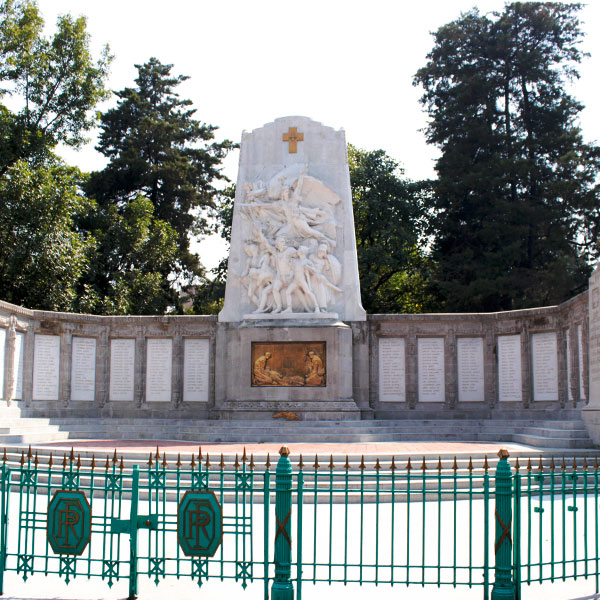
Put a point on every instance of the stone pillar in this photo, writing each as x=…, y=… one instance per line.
x=572, y=364
x=102, y=367
x=29, y=343
x=526, y=361
x=177, y=377
x=412, y=377
x=591, y=413
x=451, y=369
x=66, y=356
x=140, y=368
x=561, y=364
x=9, y=361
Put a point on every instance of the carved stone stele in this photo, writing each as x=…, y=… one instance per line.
x=293, y=247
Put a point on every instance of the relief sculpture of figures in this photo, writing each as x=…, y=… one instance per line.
x=288, y=364
x=316, y=371
x=290, y=265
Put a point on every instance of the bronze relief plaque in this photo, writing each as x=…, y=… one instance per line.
x=289, y=364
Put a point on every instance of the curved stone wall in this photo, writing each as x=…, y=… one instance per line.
x=460, y=365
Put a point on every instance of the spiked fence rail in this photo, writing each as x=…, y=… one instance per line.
x=415, y=523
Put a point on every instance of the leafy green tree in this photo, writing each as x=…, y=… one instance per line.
x=516, y=185
x=127, y=266
x=209, y=294
x=54, y=83
x=157, y=149
x=388, y=219
x=42, y=254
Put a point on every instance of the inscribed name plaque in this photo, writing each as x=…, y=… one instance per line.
x=2, y=353
x=83, y=369
x=392, y=370
x=431, y=370
x=470, y=369
x=195, y=369
x=46, y=362
x=122, y=356
x=509, y=368
x=18, y=362
x=545, y=366
x=159, y=369
x=594, y=368
x=289, y=364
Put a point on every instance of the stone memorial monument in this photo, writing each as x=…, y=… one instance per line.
x=292, y=281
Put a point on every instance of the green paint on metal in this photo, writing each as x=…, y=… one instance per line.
x=282, y=588
x=504, y=588
x=199, y=523
x=69, y=525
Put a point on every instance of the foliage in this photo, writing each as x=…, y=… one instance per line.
x=129, y=268
x=42, y=254
x=209, y=295
x=54, y=82
x=388, y=217
x=158, y=150
x=516, y=198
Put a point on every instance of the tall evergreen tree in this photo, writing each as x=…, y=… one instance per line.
x=516, y=195
x=158, y=150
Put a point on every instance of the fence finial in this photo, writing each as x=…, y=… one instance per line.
x=503, y=453
x=284, y=451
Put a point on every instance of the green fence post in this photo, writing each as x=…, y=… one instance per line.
x=282, y=588
x=133, y=533
x=504, y=588
x=3, y=526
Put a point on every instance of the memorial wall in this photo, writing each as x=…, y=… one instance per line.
x=59, y=364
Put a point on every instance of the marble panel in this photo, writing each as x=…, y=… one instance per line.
x=46, y=367
x=18, y=366
x=510, y=388
x=431, y=369
x=392, y=369
x=196, y=362
x=122, y=370
x=159, y=369
x=470, y=369
x=545, y=365
x=83, y=369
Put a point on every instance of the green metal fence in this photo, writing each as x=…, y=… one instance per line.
x=415, y=523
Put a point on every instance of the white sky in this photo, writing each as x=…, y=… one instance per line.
x=346, y=63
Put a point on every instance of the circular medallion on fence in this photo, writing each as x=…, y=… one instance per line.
x=69, y=522
x=199, y=523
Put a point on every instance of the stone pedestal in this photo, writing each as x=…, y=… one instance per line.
x=591, y=414
x=241, y=394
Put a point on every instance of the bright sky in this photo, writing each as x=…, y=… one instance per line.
x=346, y=63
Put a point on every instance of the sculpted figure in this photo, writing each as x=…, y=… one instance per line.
x=327, y=272
x=284, y=273
x=302, y=268
x=300, y=220
x=262, y=375
x=316, y=371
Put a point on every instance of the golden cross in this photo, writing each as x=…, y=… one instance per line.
x=292, y=137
